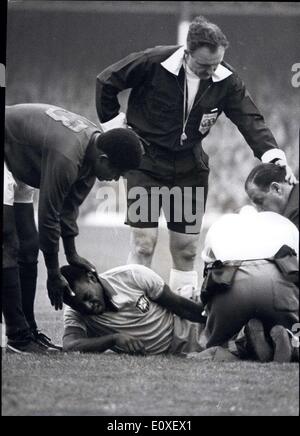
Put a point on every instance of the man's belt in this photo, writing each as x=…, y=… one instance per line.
x=219, y=276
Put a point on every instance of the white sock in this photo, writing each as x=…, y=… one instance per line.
x=184, y=283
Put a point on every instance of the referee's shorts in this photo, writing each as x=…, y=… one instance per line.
x=170, y=181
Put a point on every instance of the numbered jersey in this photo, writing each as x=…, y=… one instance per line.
x=72, y=121
x=45, y=147
x=33, y=130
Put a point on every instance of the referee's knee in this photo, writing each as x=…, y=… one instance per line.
x=186, y=250
x=144, y=248
x=143, y=242
x=187, y=255
x=184, y=257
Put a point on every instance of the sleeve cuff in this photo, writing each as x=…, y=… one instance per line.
x=270, y=155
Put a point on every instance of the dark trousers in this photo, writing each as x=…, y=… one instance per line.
x=19, y=275
x=259, y=291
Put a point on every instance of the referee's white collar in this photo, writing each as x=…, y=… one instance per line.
x=174, y=62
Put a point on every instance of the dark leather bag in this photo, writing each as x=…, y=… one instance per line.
x=286, y=261
x=218, y=278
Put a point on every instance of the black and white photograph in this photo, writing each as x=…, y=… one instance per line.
x=150, y=221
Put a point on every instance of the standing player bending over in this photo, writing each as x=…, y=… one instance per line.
x=62, y=154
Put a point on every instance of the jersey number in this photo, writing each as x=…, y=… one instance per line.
x=68, y=119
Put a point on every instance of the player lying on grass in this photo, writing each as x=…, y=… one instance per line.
x=252, y=278
x=61, y=154
x=128, y=309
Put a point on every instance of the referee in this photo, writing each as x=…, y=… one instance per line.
x=177, y=95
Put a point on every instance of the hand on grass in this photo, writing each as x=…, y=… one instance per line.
x=130, y=344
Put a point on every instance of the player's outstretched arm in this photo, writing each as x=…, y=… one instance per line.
x=181, y=306
x=75, y=339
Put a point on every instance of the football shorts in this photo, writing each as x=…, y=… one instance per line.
x=171, y=182
x=15, y=191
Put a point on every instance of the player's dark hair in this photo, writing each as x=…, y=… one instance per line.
x=203, y=33
x=123, y=148
x=72, y=274
x=264, y=174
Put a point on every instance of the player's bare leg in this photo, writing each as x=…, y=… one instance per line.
x=142, y=245
x=183, y=277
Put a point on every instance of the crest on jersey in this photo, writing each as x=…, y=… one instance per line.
x=143, y=304
x=207, y=121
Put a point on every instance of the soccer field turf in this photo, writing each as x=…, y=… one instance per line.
x=117, y=385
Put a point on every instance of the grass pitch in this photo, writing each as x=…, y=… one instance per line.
x=119, y=385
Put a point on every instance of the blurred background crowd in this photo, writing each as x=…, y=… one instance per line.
x=55, y=49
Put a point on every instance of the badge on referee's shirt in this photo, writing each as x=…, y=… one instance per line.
x=207, y=121
x=143, y=304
